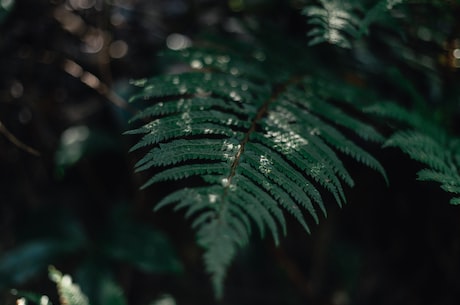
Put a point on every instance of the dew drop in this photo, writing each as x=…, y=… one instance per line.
x=234, y=71
x=315, y=132
x=224, y=182
x=316, y=169
x=176, y=80
x=235, y=96
x=265, y=165
x=186, y=117
x=182, y=89
x=226, y=156
x=139, y=82
x=208, y=60
x=212, y=198
x=196, y=64
x=227, y=146
x=200, y=92
x=223, y=59
x=267, y=185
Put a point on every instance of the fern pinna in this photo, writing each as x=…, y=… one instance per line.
x=260, y=133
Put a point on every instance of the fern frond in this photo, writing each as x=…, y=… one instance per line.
x=442, y=161
x=263, y=144
x=422, y=148
x=450, y=182
x=426, y=143
x=338, y=22
x=398, y=114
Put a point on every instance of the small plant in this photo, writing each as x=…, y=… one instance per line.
x=69, y=293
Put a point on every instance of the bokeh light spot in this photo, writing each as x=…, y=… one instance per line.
x=118, y=49
x=177, y=41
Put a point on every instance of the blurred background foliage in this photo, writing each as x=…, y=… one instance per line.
x=69, y=198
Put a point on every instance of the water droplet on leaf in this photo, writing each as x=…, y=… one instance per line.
x=212, y=198
x=265, y=165
x=234, y=71
x=208, y=60
x=196, y=64
x=223, y=59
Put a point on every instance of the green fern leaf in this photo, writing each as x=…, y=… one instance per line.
x=262, y=143
x=396, y=113
x=338, y=22
x=422, y=148
x=442, y=162
x=426, y=143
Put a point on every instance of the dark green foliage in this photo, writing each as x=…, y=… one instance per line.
x=426, y=143
x=138, y=244
x=69, y=293
x=121, y=239
x=263, y=144
x=339, y=22
x=54, y=238
x=442, y=158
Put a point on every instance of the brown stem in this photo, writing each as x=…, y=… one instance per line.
x=260, y=114
x=17, y=142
